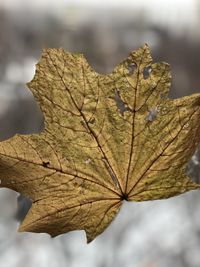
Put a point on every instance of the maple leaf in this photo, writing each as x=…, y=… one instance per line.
x=107, y=138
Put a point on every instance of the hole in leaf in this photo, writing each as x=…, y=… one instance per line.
x=146, y=72
x=152, y=114
x=121, y=105
x=131, y=68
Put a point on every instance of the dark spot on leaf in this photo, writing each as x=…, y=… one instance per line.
x=146, y=72
x=45, y=164
x=92, y=120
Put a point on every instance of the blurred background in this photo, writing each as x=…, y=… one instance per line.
x=151, y=234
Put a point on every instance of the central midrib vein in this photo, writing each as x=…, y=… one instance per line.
x=133, y=126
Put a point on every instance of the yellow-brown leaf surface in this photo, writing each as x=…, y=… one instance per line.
x=107, y=138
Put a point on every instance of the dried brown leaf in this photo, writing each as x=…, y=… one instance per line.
x=107, y=138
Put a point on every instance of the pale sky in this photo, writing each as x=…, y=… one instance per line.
x=171, y=12
x=163, y=4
